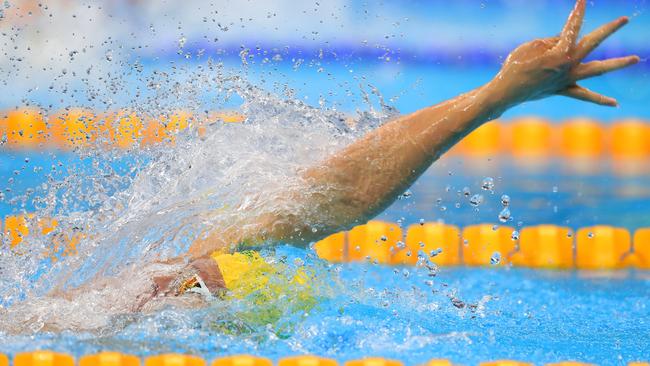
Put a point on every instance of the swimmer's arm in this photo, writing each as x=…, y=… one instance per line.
x=367, y=176
x=359, y=181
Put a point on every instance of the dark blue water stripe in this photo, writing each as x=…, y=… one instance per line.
x=256, y=53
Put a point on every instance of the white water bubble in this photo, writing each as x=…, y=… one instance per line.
x=476, y=200
x=487, y=184
x=515, y=235
x=466, y=192
x=435, y=252
x=505, y=200
x=504, y=215
x=495, y=259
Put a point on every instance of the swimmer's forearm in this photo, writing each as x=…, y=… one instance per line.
x=364, y=178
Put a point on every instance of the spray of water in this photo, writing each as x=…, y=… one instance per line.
x=133, y=208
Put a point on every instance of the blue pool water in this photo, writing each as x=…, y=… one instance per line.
x=405, y=314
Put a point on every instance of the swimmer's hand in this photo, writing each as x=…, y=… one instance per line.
x=553, y=66
x=206, y=269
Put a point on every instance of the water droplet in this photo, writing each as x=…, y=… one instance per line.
x=515, y=235
x=505, y=200
x=435, y=252
x=476, y=200
x=487, y=184
x=495, y=258
x=504, y=215
x=466, y=192
x=406, y=195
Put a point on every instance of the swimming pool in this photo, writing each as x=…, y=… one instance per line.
x=298, y=303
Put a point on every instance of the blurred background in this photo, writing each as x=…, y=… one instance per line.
x=414, y=52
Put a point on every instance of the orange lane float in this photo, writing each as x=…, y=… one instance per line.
x=333, y=248
x=174, y=359
x=630, y=139
x=438, y=362
x=17, y=227
x=642, y=248
x=439, y=242
x=72, y=128
x=545, y=246
x=122, y=129
x=109, y=359
x=505, y=363
x=523, y=137
x=219, y=116
x=43, y=358
x=487, y=244
x=307, y=360
x=47, y=358
x=582, y=138
x=165, y=128
x=374, y=361
x=23, y=128
x=542, y=246
x=485, y=140
x=242, y=360
x=375, y=241
x=227, y=117
x=531, y=137
x=602, y=247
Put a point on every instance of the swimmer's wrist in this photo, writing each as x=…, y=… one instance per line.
x=496, y=98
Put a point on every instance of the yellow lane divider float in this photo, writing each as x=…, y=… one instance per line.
x=109, y=359
x=30, y=129
x=306, y=360
x=47, y=358
x=528, y=136
x=542, y=246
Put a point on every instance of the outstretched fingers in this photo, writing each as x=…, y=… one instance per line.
x=595, y=38
x=571, y=30
x=596, y=68
x=578, y=92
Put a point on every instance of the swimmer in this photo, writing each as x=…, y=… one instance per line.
x=364, y=178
